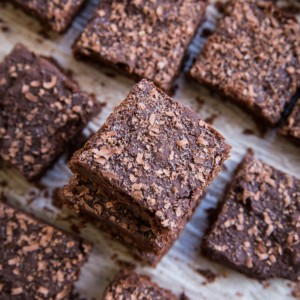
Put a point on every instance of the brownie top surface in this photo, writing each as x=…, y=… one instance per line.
x=156, y=151
x=253, y=57
x=128, y=285
x=145, y=38
x=37, y=260
x=40, y=110
x=292, y=126
x=57, y=13
x=258, y=228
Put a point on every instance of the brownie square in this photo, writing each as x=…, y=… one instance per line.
x=291, y=128
x=257, y=229
x=41, y=110
x=151, y=162
x=144, y=39
x=55, y=14
x=37, y=260
x=253, y=58
x=129, y=285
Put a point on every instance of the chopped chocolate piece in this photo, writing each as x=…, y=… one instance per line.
x=144, y=39
x=258, y=228
x=208, y=275
x=128, y=285
x=55, y=14
x=146, y=169
x=41, y=110
x=37, y=261
x=292, y=127
x=253, y=58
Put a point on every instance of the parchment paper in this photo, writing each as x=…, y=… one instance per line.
x=179, y=270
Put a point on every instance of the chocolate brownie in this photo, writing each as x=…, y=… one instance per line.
x=55, y=14
x=129, y=285
x=291, y=129
x=258, y=227
x=41, y=110
x=144, y=39
x=153, y=158
x=37, y=261
x=253, y=58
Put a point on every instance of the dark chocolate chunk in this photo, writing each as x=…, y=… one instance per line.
x=291, y=129
x=37, y=261
x=146, y=169
x=258, y=227
x=41, y=110
x=253, y=58
x=144, y=39
x=128, y=285
x=55, y=14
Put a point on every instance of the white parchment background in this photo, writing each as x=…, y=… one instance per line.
x=178, y=269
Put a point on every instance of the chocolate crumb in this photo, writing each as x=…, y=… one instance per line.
x=211, y=119
x=248, y=132
x=296, y=290
x=125, y=264
x=5, y=28
x=208, y=274
x=206, y=32
x=110, y=74
x=183, y=296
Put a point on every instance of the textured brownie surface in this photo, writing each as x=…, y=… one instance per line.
x=55, y=14
x=37, y=261
x=146, y=39
x=291, y=129
x=258, y=228
x=41, y=110
x=253, y=58
x=154, y=154
x=128, y=286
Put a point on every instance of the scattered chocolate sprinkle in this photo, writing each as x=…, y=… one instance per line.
x=183, y=296
x=211, y=119
x=125, y=264
x=248, y=132
x=206, y=32
x=110, y=74
x=208, y=274
x=5, y=28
